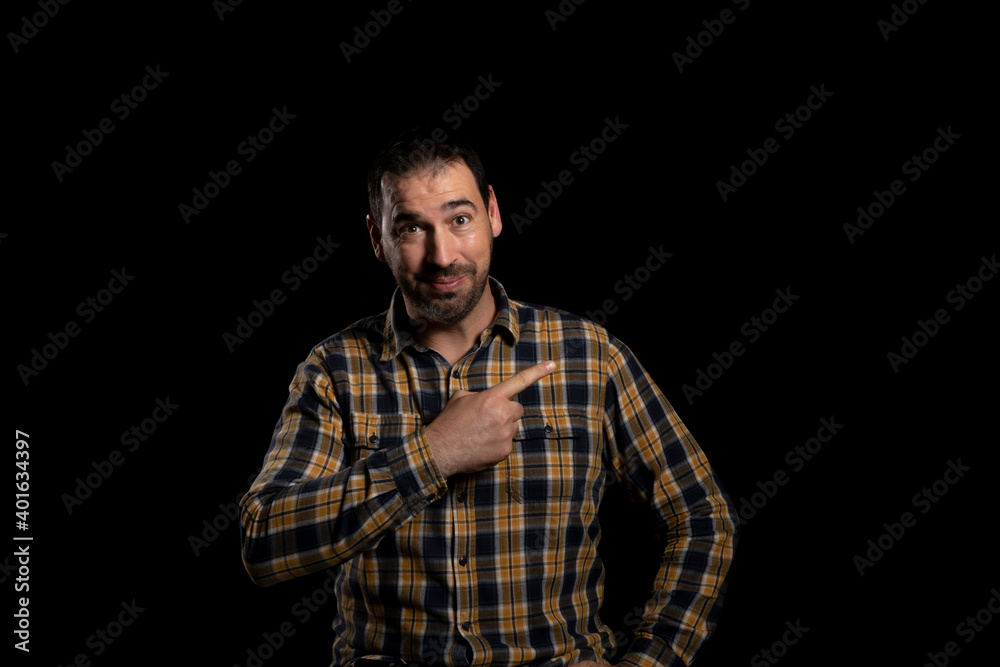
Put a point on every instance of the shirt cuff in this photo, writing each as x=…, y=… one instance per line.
x=414, y=471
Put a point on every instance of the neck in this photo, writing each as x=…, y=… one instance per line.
x=453, y=339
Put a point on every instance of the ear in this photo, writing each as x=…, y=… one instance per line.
x=494, y=212
x=375, y=231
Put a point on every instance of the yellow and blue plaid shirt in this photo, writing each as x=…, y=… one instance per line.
x=501, y=567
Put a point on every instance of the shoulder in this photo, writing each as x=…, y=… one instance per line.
x=359, y=340
x=536, y=320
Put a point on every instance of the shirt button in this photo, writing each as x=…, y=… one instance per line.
x=456, y=374
x=548, y=428
x=466, y=625
x=373, y=438
x=463, y=561
x=461, y=497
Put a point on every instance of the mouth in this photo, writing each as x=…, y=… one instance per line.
x=446, y=284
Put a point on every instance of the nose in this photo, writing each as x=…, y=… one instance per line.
x=442, y=250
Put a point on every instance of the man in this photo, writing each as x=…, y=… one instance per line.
x=449, y=456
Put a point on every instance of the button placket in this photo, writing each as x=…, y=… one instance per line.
x=463, y=526
x=464, y=523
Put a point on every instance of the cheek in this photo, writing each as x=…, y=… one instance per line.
x=486, y=251
x=476, y=249
x=408, y=257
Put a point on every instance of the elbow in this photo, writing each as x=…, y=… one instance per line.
x=735, y=522
x=271, y=550
x=255, y=543
x=260, y=577
x=728, y=522
x=260, y=570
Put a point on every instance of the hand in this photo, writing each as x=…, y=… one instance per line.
x=475, y=431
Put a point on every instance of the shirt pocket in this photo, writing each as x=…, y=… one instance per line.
x=367, y=433
x=552, y=459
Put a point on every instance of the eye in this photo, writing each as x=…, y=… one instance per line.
x=462, y=220
x=410, y=228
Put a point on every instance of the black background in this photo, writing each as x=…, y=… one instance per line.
x=655, y=185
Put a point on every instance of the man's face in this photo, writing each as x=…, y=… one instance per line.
x=436, y=235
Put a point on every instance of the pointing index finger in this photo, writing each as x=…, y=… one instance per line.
x=518, y=382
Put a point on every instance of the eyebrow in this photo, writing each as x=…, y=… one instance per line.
x=405, y=216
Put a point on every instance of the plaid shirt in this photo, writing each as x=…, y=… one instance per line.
x=500, y=567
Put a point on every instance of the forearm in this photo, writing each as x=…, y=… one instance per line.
x=662, y=465
x=294, y=528
x=688, y=586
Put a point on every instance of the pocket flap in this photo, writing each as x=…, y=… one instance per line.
x=372, y=432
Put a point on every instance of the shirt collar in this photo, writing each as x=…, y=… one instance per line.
x=399, y=331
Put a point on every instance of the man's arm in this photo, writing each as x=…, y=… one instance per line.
x=309, y=508
x=661, y=464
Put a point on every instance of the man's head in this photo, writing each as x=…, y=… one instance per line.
x=433, y=219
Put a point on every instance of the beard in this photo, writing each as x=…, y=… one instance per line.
x=443, y=307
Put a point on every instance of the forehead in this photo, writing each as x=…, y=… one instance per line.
x=426, y=187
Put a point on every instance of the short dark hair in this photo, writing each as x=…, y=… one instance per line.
x=414, y=150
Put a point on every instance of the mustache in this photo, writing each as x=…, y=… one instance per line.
x=451, y=271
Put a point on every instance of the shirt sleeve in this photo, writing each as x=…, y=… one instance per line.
x=309, y=509
x=661, y=465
